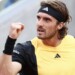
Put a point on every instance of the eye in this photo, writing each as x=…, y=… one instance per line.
x=38, y=17
x=47, y=19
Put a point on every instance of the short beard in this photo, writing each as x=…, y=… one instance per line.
x=49, y=37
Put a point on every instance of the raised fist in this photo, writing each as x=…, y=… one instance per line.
x=15, y=30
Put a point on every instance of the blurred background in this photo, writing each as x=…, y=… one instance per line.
x=25, y=11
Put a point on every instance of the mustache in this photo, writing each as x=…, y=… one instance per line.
x=40, y=28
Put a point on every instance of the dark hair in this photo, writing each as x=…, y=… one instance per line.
x=60, y=7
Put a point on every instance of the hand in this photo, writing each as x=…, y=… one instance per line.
x=15, y=30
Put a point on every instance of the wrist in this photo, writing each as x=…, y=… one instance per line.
x=9, y=45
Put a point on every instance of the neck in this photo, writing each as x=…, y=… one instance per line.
x=52, y=42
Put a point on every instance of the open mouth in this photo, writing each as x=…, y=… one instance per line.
x=40, y=30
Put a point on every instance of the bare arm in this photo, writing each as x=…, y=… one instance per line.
x=7, y=67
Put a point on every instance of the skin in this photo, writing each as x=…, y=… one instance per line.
x=47, y=31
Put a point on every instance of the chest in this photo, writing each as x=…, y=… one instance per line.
x=56, y=61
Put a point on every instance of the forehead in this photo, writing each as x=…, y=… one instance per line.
x=44, y=15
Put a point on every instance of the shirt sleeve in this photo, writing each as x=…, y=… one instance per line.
x=25, y=54
x=19, y=54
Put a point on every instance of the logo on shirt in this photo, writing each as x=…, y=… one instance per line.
x=57, y=56
x=15, y=51
x=46, y=9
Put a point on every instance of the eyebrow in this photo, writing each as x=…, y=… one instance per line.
x=48, y=18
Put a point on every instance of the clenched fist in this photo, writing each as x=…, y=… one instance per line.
x=15, y=30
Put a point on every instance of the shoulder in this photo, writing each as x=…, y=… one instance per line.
x=23, y=48
x=28, y=46
x=69, y=39
x=36, y=42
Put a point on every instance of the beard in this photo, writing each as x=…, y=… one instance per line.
x=47, y=36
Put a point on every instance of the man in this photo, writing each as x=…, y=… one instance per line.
x=52, y=52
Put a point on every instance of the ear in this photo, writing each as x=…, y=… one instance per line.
x=61, y=25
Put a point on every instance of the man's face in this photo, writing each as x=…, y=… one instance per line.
x=46, y=26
